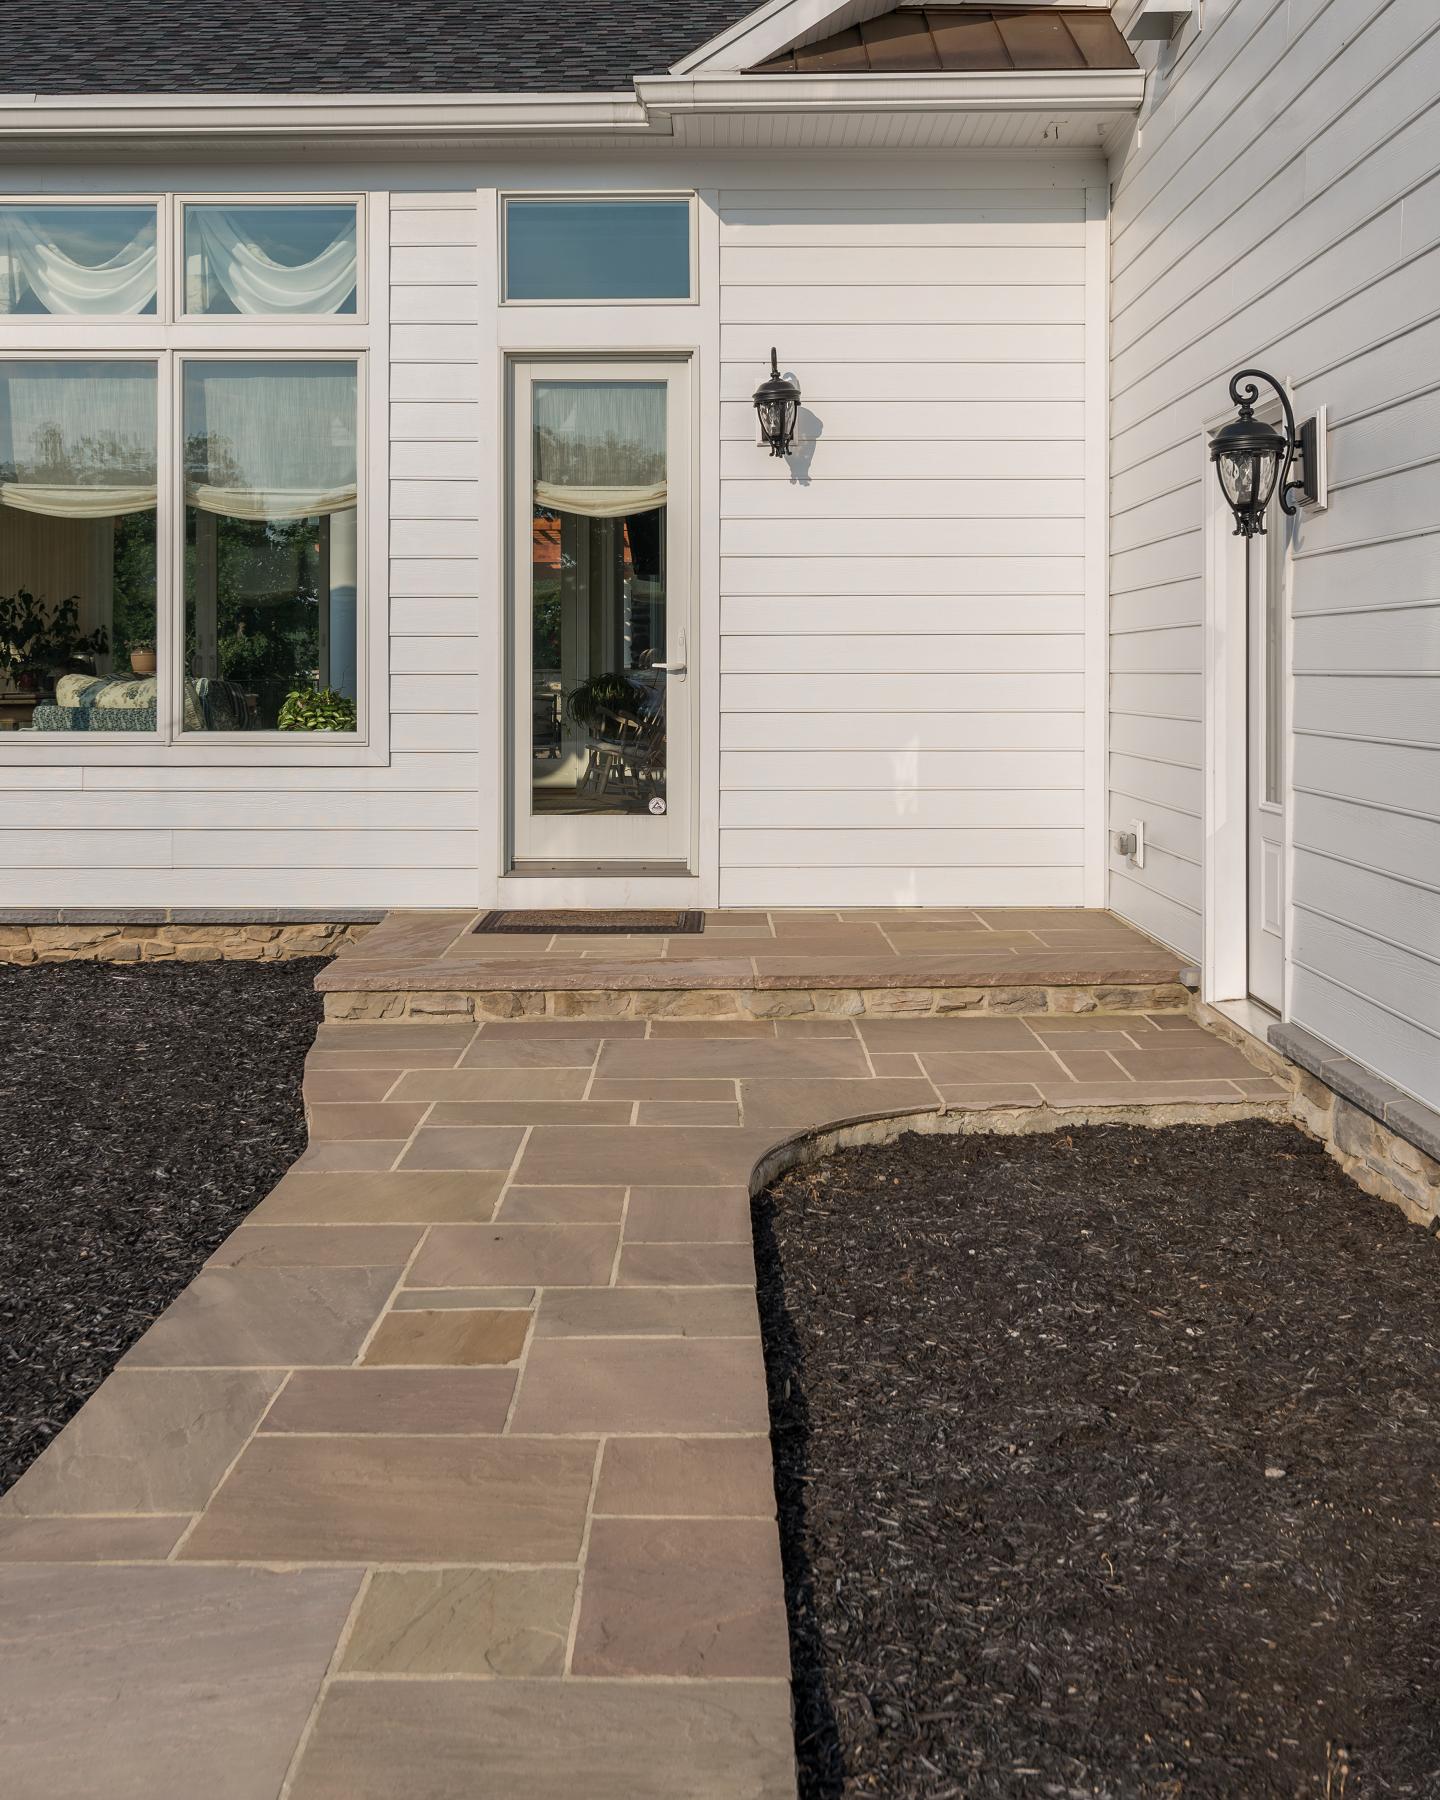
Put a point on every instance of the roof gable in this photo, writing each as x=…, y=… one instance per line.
x=909, y=39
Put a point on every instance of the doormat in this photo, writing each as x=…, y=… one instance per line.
x=654, y=922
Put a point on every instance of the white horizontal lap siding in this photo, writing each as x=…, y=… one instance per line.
x=1282, y=207
x=404, y=833
x=903, y=602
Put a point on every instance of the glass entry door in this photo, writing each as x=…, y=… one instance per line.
x=600, y=715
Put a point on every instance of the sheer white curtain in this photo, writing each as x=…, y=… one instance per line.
x=220, y=251
x=77, y=440
x=599, y=447
x=31, y=259
x=270, y=440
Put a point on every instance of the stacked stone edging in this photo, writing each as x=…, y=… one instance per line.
x=169, y=941
x=1377, y=1159
x=398, y=1006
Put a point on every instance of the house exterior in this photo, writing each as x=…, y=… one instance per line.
x=406, y=354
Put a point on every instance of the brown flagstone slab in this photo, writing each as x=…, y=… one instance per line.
x=162, y=1683
x=542, y=1740
x=342, y=1156
x=463, y=1147
x=644, y=1087
x=154, y=1441
x=618, y=1153
x=380, y=1036
x=562, y=1205
x=507, y=1299
x=683, y=1115
x=332, y=1085
x=743, y=1060
x=683, y=1477
x=798, y=1103
x=420, y=1196
x=565, y=1052
x=688, y=1215
x=686, y=1478
x=396, y=1499
x=704, y=1312
x=506, y=1254
x=963, y=1066
x=144, y=1537
x=512, y=1622
x=686, y=1265
x=1139, y=1093
x=529, y=1112
x=460, y=1339
x=956, y=1034
x=682, y=1597
x=317, y=1246
x=363, y=1121
x=636, y=1385
x=265, y=1318
x=446, y=1402
x=982, y=1096
x=495, y=1085
x=1199, y=1058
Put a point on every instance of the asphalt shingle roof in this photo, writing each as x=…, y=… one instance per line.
x=348, y=46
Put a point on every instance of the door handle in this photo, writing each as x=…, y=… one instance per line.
x=679, y=668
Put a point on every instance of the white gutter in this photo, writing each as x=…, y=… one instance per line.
x=251, y=116
x=1012, y=90
x=648, y=111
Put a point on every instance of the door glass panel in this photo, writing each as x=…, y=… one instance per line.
x=1273, y=656
x=598, y=597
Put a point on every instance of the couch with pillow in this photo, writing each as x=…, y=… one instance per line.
x=127, y=703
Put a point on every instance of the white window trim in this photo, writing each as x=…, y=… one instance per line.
x=601, y=196
x=154, y=338
x=268, y=321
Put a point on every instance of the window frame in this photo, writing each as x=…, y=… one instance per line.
x=163, y=260
x=605, y=196
x=267, y=321
x=160, y=339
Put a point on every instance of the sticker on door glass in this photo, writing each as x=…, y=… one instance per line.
x=657, y=805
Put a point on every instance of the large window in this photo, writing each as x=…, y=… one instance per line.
x=597, y=250
x=74, y=259
x=77, y=545
x=270, y=544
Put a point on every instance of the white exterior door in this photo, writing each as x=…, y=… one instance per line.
x=1265, y=616
x=601, y=598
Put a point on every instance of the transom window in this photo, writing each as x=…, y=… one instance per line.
x=598, y=249
x=282, y=259
x=90, y=261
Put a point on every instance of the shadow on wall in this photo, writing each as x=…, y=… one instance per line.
x=809, y=429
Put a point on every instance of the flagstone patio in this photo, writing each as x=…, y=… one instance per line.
x=450, y=1473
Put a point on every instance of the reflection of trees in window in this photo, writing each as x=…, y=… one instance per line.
x=267, y=606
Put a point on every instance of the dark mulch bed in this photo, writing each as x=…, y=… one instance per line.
x=143, y=1112
x=1108, y=1465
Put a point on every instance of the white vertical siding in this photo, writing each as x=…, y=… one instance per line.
x=903, y=603
x=1282, y=207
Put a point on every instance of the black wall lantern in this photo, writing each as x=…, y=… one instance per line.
x=777, y=401
x=1252, y=458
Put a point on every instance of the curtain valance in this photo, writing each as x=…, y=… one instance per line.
x=600, y=447
x=228, y=257
x=121, y=285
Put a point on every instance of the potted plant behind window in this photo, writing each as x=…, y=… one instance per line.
x=316, y=709
x=39, y=642
x=142, y=656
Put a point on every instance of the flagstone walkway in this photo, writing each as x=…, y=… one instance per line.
x=449, y=1476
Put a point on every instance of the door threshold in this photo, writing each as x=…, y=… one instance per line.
x=550, y=871
x=1252, y=1016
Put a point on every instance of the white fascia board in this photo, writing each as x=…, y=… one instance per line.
x=1015, y=90
x=265, y=116
x=780, y=23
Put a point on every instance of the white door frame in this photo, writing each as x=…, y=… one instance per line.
x=589, y=882
x=1224, y=968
